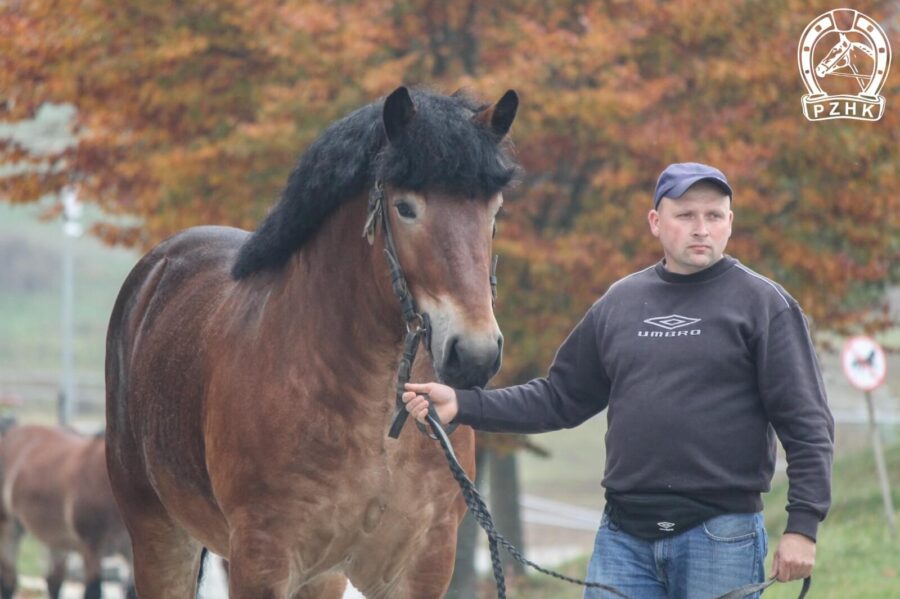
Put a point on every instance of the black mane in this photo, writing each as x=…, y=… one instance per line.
x=442, y=148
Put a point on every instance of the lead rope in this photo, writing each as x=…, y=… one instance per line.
x=418, y=328
x=749, y=589
x=480, y=511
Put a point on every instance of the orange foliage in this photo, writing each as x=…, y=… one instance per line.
x=195, y=112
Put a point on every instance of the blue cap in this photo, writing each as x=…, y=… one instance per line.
x=677, y=178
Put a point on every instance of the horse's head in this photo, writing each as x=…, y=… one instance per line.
x=443, y=232
x=836, y=58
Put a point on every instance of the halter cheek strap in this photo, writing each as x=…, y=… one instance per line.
x=418, y=325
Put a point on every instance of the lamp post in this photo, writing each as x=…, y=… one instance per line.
x=72, y=229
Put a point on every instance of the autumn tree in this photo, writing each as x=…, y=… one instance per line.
x=194, y=113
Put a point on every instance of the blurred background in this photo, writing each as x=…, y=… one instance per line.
x=124, y=122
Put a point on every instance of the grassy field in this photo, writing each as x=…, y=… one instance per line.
x=857, y=558
x=30, y=275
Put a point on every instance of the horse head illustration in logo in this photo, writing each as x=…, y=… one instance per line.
x=844, y=59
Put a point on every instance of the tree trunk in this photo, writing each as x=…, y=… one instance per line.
x=463, y=585
x=504, y=480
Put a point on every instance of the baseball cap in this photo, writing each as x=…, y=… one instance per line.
x=678, y=177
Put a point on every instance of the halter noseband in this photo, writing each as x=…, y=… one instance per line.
x=418, y=325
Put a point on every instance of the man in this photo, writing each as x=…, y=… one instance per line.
x=700, y=362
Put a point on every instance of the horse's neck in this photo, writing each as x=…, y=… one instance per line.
x=337, y=289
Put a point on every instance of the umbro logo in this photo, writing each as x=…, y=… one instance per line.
x=672, y=321
x=666, y=526
x=670, y=324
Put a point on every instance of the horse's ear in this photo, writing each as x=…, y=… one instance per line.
x=398, y=111
x=499, y=117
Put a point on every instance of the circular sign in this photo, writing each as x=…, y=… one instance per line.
x=864, y=363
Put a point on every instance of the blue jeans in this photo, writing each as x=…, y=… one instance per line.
x=704, y=562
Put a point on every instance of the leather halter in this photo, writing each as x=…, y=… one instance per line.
x=418, y=325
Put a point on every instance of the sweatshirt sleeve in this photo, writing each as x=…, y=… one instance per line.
x=575, y=388
x=793, y=396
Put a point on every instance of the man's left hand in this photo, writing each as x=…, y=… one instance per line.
x=795, y=557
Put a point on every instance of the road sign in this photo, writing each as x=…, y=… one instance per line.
x=864, y=363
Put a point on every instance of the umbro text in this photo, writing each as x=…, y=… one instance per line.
x=687, y=333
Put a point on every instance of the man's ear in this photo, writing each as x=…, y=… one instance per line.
x=653, y=220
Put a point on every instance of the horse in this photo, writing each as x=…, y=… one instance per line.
x=54, y=486
x=251, y=378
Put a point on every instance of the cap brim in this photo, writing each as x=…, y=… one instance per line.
x=678, y=191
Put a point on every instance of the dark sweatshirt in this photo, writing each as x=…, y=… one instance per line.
x=699, y=373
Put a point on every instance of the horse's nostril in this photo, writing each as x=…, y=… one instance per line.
x=495, y=367
x=453, y=361
x=470, y=362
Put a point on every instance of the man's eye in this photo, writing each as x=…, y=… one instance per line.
x=405, y=210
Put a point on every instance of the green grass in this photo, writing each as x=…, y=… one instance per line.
x=856, y=556
x=32, y=558
x=574, y=469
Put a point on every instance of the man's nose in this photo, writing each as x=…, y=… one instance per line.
x=701, y=230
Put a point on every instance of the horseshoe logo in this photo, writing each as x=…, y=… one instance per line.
x=855, y=48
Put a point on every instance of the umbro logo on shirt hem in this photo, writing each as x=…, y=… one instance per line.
x=666, y=526
x=670, y=323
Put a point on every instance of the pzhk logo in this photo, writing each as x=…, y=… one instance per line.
x=844, y=59
x=670, y=323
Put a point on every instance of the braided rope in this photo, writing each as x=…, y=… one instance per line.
x=480, y=511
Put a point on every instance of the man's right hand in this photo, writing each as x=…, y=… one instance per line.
x=442, y=397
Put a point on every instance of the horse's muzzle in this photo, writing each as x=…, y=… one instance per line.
x=471, y=361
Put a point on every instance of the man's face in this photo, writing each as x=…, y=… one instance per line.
x=694, y=229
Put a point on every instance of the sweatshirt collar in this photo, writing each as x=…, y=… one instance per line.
x=722, y=265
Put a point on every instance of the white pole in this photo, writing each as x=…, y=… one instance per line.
x=879, y=465
x=71, y=231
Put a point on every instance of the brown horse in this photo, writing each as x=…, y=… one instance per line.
x=250, y=378
x=54, y=486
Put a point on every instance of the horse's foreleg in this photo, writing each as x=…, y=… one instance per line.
x=56, y=575
x=92, y=575
x=10, y=535
x=125, y=551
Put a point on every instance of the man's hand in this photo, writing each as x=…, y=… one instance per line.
x=442, y=396
x=795, y=557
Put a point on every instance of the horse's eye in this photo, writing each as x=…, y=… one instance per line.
x=405, y=210
x=494, y=232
